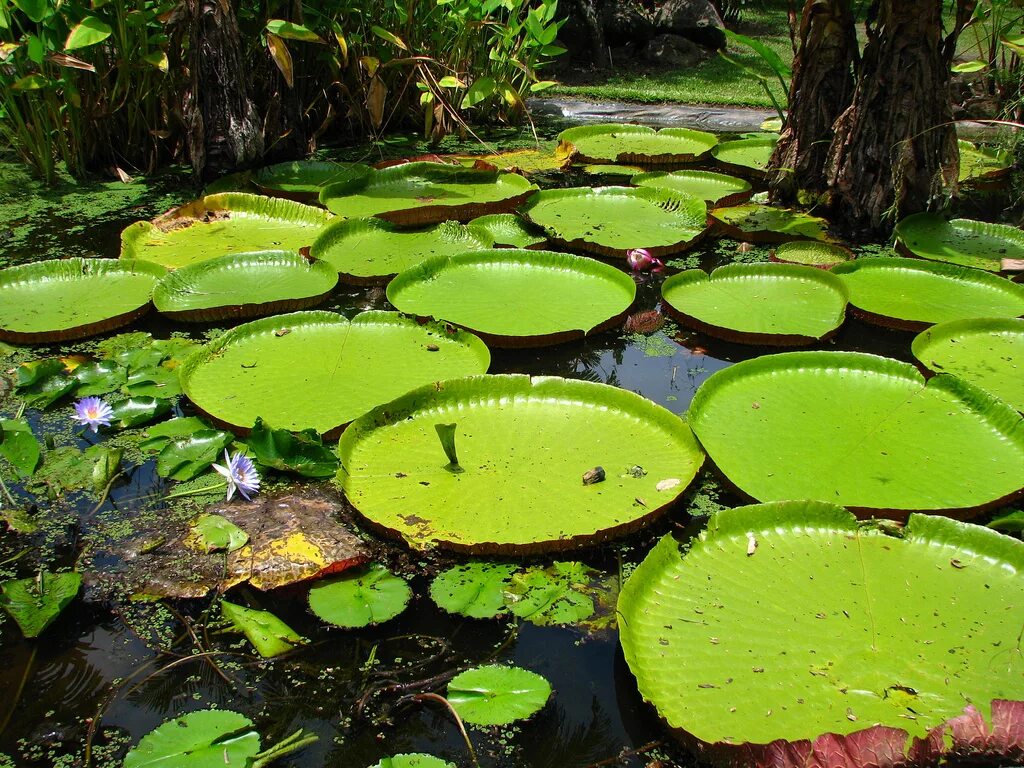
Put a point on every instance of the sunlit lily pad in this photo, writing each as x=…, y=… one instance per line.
x=244, y=285
x=302, y=179
x=413, y=760
x=268, y=634
x=476, y=589
x=35, y=603
x=522, y=447
x=528, y=161
x=965, y=242
x=497, y=695
x=863, y=431
x=517, y=298
x=628, y=144
x=812, y=253
x=809, y=663
x=780, y=304
x=509, y=231
x=747, y=157
x=73, y=298
x=768, y=224
x=979, y=163
x=988, y=352
x=419, y=194
x=613, y=220
x=714, y=188
x=912, y=294
x=218, y=225
x=204, y=739
x=319, y=370
x=360, y=599
x=368, y=251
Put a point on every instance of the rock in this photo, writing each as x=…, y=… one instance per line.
x=625, y=23
x=695, y=20
x=675, y=51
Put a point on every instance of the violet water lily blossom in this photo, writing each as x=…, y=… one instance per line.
x=240, y=474
x=93, y=412
x=640, y=260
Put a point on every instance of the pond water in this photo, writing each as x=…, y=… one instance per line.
x=106, y=673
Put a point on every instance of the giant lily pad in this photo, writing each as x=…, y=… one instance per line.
x=965, y=242
x=418, y=194
x=780, y=304
x=634, y=144
x=517, y=298
x=981, y=163
x=497, y=695
x=518, y=448
x=613, y=220
x=988, y=352
x=847, y=646
x=206, y=739
x=73, y=298
x=302, y=180
x=859, y=430
x=912, y=294
x=509, y=231
x=768, y=224
x=244, y=285
x=747, y=157
x=319, y=370
x=367, y=251
x=218, y=225
x=812, y=253
x=713, y=188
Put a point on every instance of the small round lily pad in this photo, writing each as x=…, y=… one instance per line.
x=360, y=599
x=497, y=695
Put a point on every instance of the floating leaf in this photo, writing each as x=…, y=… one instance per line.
x=160, y=435
x=625, y=143
x=35, y=603
x=362, y=599
x=19, y=446
x=552, y=595
x=186, y=457
x=204, y=739
x=302, y=453
x=497, y=695
x=137, y=411
x=269, y=635
x=965, y=242
x=475, y=589
x=758, y=223
x=100, y=377
x=215, y=533
x=413, y=760
x=43, y=382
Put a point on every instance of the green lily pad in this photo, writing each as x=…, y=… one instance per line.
x=747, y=157
x=965, y=242
x=509, y=231
x=138, y=411
x=161, y=434
x=811, y=659
x=859, y=430
x=41, y=383
x=187, y=457
x=812, y=253
x=100, y=377
x=209, y=738
x=300, y=453
x=36, y=603
x=366, y=251
x=912, y=294
x=302, y=180
x=319, y=370
x=613, y=220
x=19, y=446
x=413, y=760
x=73, y=298
x=988, y=352
x=475, y=589
x=758, y=223
x=628, y=144
x=553, y=595
x=215, y=533
x=517, y=298
x=360, y=599
x=981, y=163
x=779, y=304
x=244, y=285
x=713, y=188
x=268, y=634
x=523, y=445
x=418, y=194
x=612, y=173
x=497, y=695
x=218, y=225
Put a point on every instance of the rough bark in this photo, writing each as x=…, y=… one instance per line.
x=595, y=30
x=821, y=89
x=894, y=151
x=224, y=128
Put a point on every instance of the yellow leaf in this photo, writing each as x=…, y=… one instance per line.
x=375, y=102
x=282, y=57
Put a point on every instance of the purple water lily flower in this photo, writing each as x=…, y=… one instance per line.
x=240, y=474
x=640, y=260
x=93, y=412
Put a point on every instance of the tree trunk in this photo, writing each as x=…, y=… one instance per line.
x=595, y=31
x=821, y=89
x=894, y=152
x=224, y=129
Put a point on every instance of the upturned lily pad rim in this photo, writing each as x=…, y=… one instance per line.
x=267, y=181
x=765, y=235
x=772, y=519
x=1011, y=235
x=940, y=268
x=322, y=278
x=417, y=214
x=783, y=253
x=498, y=224
x=424, y=400
x=428, y=270
x=741, y=168
x=654, y=195
x=826, y=280
x=49, y=270
x=307, y=317
x=568, y=137
x=1001, y=416
x=742, y=194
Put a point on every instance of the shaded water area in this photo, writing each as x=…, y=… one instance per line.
x=106, y=673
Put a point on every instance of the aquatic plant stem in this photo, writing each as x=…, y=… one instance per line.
x=21, y=687
x=7, y=493
x=458, y=720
